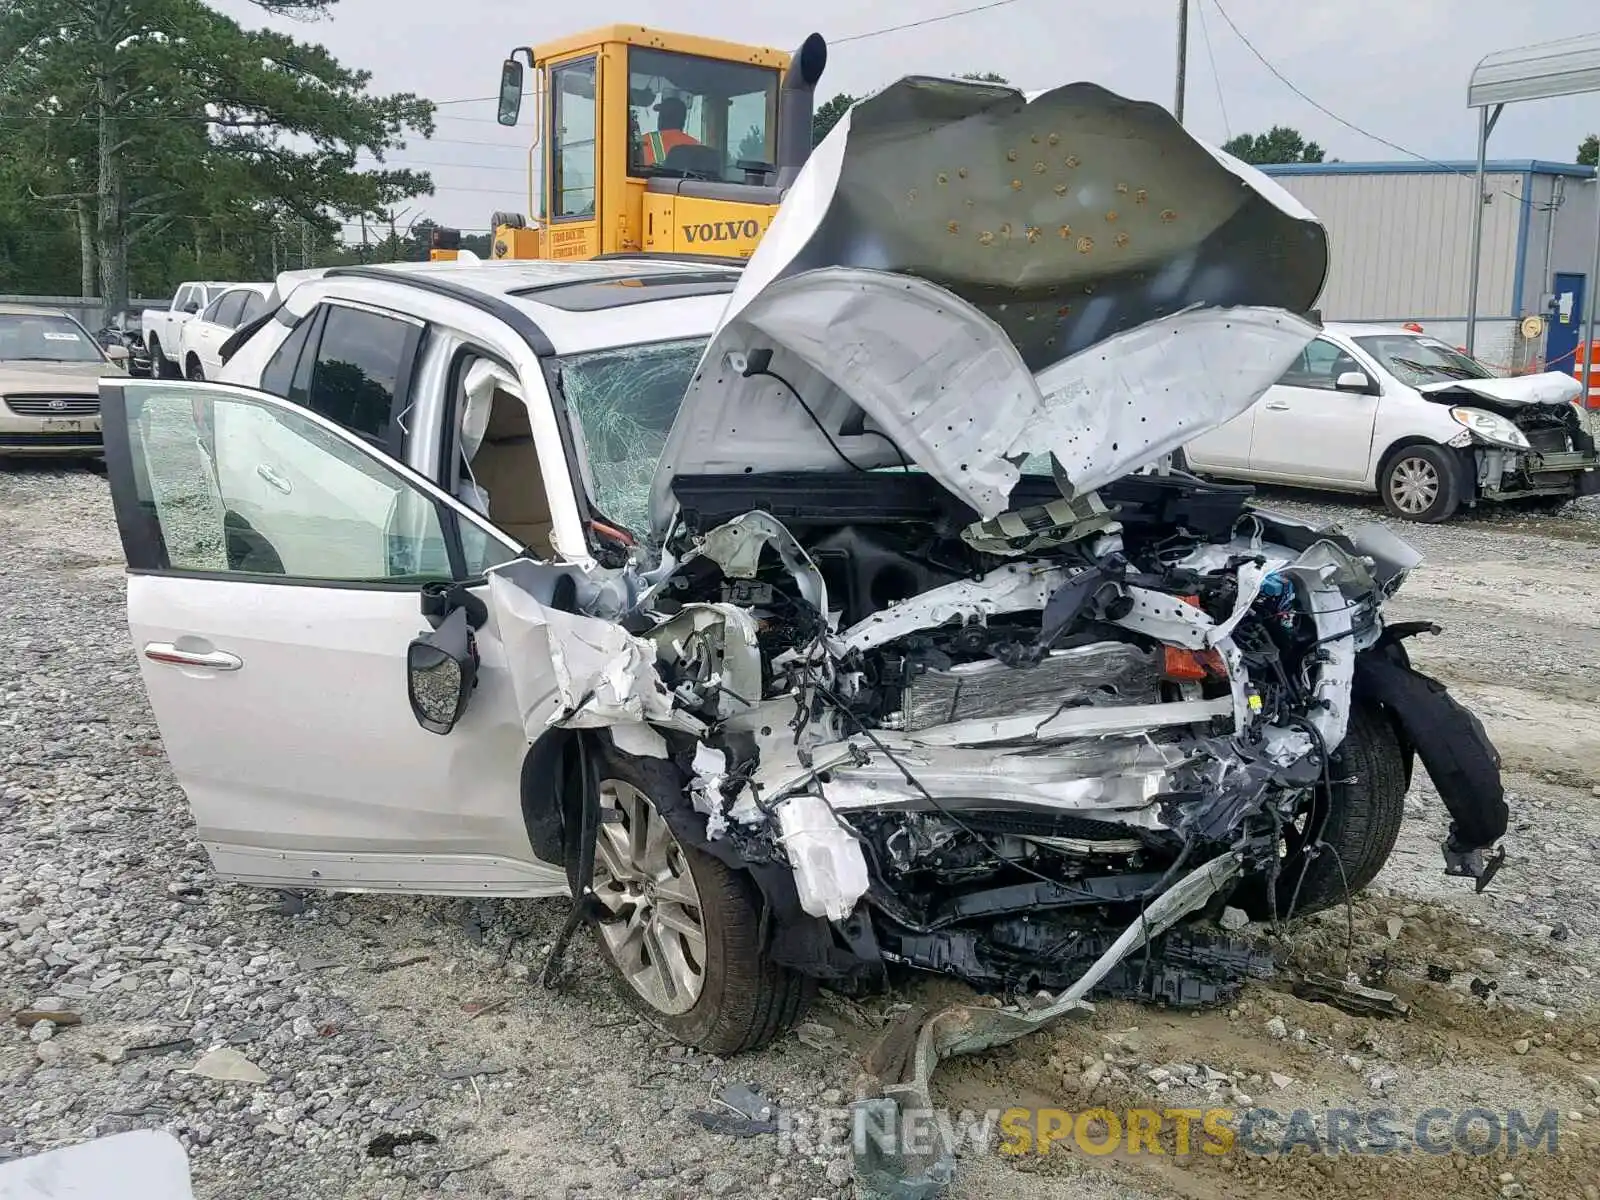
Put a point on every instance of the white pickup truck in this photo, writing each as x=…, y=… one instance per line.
x=163, y=327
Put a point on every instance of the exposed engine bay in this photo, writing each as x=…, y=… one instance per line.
x=974, y=747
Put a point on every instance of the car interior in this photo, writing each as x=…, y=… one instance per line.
x=504, y=467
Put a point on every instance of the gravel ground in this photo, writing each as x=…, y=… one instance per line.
x=343, y=1018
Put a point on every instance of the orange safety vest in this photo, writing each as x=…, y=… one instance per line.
x=657, y=144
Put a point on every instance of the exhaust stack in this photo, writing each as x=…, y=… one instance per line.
x=796, y=105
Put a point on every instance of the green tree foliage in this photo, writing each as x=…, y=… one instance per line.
x=985, y=77
x=827, y=115
x=1589, y=151
x=1280, y=144
x=168, y=140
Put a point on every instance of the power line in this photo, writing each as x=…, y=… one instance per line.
x=1351, y=125
x=949, y=16
x=1205, y=35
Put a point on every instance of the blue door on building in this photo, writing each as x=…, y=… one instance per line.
x=1566, y=323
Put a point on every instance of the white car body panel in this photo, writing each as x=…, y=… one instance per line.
x=303, y=763
x=1548, y=387
x=305, y=767
x=143, y=1164
x=204, y=338
x=1337, y=440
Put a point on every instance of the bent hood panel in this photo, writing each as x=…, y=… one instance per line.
x=1044, y=227
x=1548, y=387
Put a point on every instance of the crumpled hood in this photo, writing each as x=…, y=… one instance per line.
x=979, y=276
x=1548, y=387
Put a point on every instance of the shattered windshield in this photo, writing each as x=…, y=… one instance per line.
x=1417, y=361
x=625, y=399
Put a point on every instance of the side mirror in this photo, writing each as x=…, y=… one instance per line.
x=117, y=352
x=1354, y=381
x=441, y=671
x=192, y=307
x=510, y=92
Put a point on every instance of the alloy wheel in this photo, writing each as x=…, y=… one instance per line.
x=655, y=926
x=1414, y=484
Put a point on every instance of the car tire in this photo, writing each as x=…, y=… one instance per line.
x=194, y=371
x=1421, y=482
x=1361, y=826
x=160, y=368
x=724, y=999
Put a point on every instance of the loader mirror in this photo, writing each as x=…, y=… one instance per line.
x=510, y=91
x=441, y=671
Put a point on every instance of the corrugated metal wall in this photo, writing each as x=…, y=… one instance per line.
x=1402, y=244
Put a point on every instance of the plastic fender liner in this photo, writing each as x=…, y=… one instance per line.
x=552, y=792
x=1451, y=741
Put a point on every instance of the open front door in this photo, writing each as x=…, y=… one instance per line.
x=276, y=564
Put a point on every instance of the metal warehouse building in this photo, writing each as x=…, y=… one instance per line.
x=1400, y=237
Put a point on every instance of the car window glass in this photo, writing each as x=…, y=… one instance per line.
x=357, y=366
x=1418, y=361
x=625, y=400
x=482, y=550
x=279, y=376
x=239, y=486
x=1319, y=364
x=225, y=309
x=572, y=120
x=46, y=337
x=254, y=305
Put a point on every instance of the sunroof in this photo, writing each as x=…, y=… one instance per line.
x=591, y=295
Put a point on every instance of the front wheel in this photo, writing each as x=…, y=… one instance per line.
x=195, y=371
x=681, y=932
x=1421, y=483
x=1347, y=837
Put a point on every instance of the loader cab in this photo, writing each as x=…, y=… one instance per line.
x=652, y=142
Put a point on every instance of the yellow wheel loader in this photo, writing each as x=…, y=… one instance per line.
x=654, y=143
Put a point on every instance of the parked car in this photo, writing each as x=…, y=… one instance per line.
x=1377, y=408
x=50, y=366
x=163, y=327
x=719, y=600
x=123, y=329
x=200, y=339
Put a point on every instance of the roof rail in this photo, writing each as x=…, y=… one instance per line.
x=496, y=306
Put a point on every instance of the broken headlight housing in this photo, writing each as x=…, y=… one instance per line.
x=1496, y=430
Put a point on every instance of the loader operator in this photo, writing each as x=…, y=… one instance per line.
x=671, y=113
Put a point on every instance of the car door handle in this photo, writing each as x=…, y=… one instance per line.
x=216, y=660
x=1277, y=406
x=273, y=479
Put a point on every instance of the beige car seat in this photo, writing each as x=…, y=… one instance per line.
x=507, y=467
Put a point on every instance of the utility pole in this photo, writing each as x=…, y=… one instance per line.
x=1183, y=57
x=305, y=242
x=363, y=237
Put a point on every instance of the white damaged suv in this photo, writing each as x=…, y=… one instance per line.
x=808, y=620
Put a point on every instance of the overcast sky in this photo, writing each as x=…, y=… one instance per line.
x=1396, y=68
